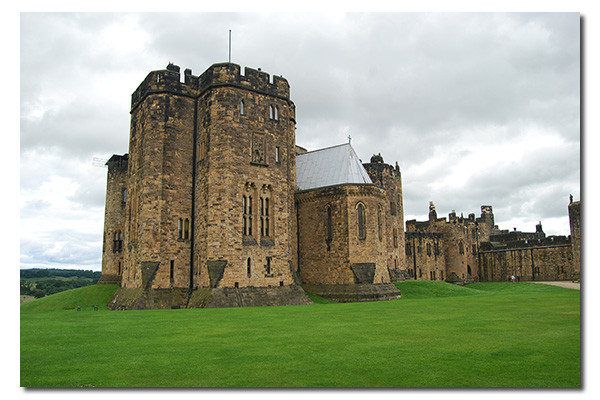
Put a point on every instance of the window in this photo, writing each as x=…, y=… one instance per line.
x=124, y=196
x=247, y=215
x=361, y=221
x=264, y=216
x=249, y=267
x=186, y=228
x=408, y=250
x=276, y=110
x=379, y=222
x=395, y=237
x=271, y=112
x=268, y=266
x=469, y=270
x=183, y=228
x=461, y=247
x=172, y=271
x=277, y=155
x=118, y=241
x=242, y=108
x=329, y=228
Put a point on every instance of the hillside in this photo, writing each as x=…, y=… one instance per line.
x=85, y=297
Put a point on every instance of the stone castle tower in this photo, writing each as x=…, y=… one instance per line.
x=206, y=201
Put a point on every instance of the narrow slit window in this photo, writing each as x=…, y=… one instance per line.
x=242, y=108
x=268, y=266
x=264, y=216
x=172, y=271
x=271, y=112
x=277, y=154
x=180, y=228
x=329, y=236
x=249, y=267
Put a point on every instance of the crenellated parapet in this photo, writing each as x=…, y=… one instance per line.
x=170, y=80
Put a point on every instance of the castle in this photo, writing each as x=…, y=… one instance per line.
x=216, y=206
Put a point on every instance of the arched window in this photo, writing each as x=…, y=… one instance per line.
x=361, y=221
x=469, y=270
x=180, y=228
x=276, y=113
x=271, y=112
x=242, y=108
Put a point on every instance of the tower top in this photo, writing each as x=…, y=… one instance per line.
x=217, y=75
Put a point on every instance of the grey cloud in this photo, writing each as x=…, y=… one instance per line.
x=404, y=85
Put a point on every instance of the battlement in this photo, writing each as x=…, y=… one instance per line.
x=550, y=241
x=169, y=80
x=487, y=217
x=118, y=163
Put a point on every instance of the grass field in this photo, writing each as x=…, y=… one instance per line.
x=437, y=335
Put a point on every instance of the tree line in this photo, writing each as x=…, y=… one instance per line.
x=44, y=282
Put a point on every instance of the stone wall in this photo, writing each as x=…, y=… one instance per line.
x=340, y=254
x=390, y=179
x=460, y=242
x=534, y=260
x=425, y=256
x=244, y=183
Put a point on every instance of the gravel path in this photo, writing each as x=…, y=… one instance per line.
x=565, y=284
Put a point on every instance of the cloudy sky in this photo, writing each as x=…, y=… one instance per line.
x=476, y=108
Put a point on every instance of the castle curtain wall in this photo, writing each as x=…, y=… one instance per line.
x=534, y=262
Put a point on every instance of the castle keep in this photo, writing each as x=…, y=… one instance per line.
x=216, y=206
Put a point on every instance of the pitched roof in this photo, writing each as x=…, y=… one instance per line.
x=330, y=166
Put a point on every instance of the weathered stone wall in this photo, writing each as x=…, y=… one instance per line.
x=251, y=154
x=114, y=244
x=390, y=179
x=461, y=238
x=160, y=171
x=340, y=255
x=425, y=256
x=535, y=260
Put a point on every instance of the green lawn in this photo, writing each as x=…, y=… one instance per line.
x=480, y=335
